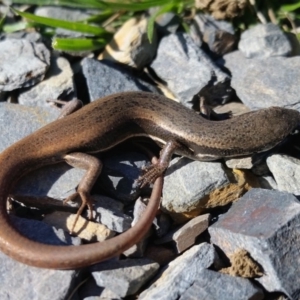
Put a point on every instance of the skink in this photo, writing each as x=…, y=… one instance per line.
x=107, y=122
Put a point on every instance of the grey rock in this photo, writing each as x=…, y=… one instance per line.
x=33, y=37
x=41, y=232
x=181, y=273
x=19, y=281
x=25, y=120
x=264, y=83
x=178, y=54
x=119, y=174
x=22, y=63
x=187, y=182
x=286, y=171
x=55, y=181
x=165, y=23
x=212, y=285
x=264, y=40
x=114, y=78
x=124, y=277
x=90, y=291
x=109, y=212
x=185, y=236
x=58, y=84
x=265, y=223
x=217, y=34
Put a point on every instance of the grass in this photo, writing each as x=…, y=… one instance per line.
x=108, y=15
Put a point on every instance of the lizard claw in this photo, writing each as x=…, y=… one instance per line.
x=150, y=173
x=86, y=200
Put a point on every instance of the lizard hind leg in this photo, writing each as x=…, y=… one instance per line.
x=93, y=167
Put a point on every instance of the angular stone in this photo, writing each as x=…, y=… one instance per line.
x=178, y=54
x=109, y=212
x=265, y=223
x=124, y=277
x=187, y=182
x=214, y=286
x=19, y=281
x=130, y=44
x=217, y=34
x=57, y=181
x=286, y=171
x=58, y=84
x=261, y=83
x=120, y=170
x=264, y=40
x=87, y=230
x=42, y=232
x=181, y=273
x=22, y=63
x=90, y=291
x=114, y=78
x=185, y=236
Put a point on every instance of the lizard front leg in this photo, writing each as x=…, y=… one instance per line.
x=150, y=173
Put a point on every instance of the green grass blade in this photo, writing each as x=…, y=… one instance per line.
x=70, y=3
x=70, y=44
x=74, y=26
x=132, y=5
x=2, y=20
x=290, y=7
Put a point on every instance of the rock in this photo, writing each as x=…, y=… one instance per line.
x=90, y=291
x=33, y=37
x=185, y=236
x=19, y=281
x=286, y=171
x=58, y=84
x=264, y=223
x=264, y=40
x=124, y=277
x=160, y=254
x=166, y=23
x=235, y=108
x=264, y=83
x=43, y=233
x=242, y=265
x=181, y=273
x=187, y=183
x=218, y=35
x=130, y=44
x=214, y=286
x=109, y=212
x=239, y=163
x=23, y=63
x=114, y=78
x=178, y=54
x=57, y=181
x=87, y=230
x=119, y=174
